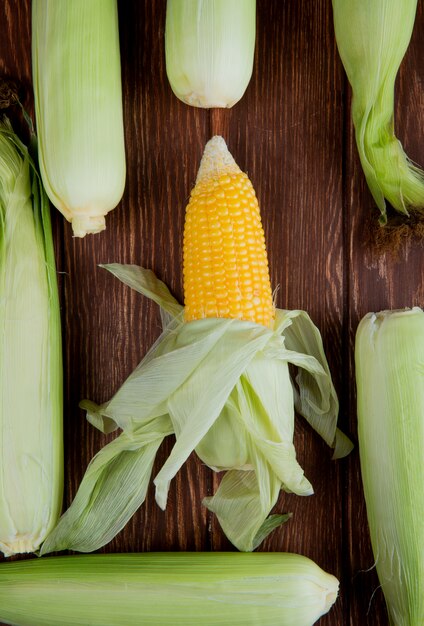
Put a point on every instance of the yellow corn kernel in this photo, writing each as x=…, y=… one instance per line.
x=225, y=262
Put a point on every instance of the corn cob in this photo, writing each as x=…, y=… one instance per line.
x=225, y=261
x=78, y=106
x=31, y=461
x=200, y=37
x=178, y=589
x=218, y=378
x=389, y=357
x=372, y=38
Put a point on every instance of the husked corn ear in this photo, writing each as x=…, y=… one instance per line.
x=200, y=38
x=389, y=357
x=168, y=588
x=222, y=386
x=31, y=457
x=372, y=38
x=225, y=262
x=78, y=107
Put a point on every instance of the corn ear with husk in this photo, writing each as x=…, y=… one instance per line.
x=166, y=588
x=389, y=355
x=372, y=38
x=78, y=105
x=31, y=472
x=218, y=378
x=209, y=49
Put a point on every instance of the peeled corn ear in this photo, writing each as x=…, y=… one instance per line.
x=78, y=104
x=389, y=355
x=225, y=260
x=372, y=38
x=176, y=588
x=218, y=378
x=31, y=460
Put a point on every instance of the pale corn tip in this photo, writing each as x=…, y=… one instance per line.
x=216, y=160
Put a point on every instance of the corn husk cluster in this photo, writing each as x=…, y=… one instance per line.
x=389, y=356
x=372, y=38
x=78, y=104
x=31, y=473
x=209, y=47
x=223, y=388
x=202, y=589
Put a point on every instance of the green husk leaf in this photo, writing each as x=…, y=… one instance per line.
x=263, y=414
x=315, y=396
x=223, y=388
x=113, y=488
x=197, y=404
x=372, y=38
x=146, y=282
x=240, y=508
x=95, y=416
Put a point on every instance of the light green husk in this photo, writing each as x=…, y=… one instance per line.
x=389, y=357
x=222, y=386
x=78, y=104
x=209, y=48
x=31, y=472
x=372, y=38
x=202, y=589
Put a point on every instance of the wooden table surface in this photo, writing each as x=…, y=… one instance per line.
x=292, y=133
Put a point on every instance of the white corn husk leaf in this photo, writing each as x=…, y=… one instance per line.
x=31, y=464
x=209, y=49
x=78, y=105
x=223, y=387
x=178, y=588
x=389, y=355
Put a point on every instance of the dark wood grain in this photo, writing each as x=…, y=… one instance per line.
x=292, y=133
